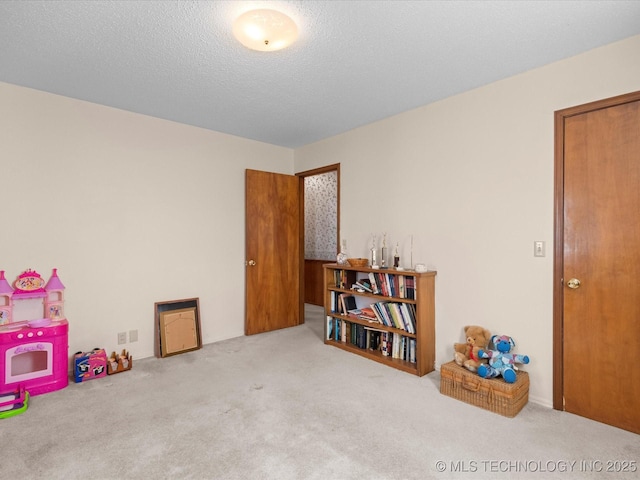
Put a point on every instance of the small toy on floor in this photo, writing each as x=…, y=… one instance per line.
x=119, y=363
x=90, y=365
x=501, y=362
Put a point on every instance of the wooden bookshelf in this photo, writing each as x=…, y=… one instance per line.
x=414, y=352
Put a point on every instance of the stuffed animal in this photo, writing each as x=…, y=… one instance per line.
x=466, y=354
x=501, y=362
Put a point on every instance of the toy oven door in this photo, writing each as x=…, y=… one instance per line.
x=28, y=361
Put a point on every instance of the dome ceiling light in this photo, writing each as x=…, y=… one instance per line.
x=265, y=30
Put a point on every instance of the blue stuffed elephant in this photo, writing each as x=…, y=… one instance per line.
x=501, y=362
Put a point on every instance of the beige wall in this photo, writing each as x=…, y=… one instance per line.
x=134, y=210
x=131, y=210
x=471, y=178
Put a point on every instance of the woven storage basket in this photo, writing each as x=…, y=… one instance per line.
x=492, y=394
x=358, y=262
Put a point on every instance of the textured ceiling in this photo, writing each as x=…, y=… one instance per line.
x=355, y=62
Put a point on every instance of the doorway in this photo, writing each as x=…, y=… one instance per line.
x=597, y=260
x=321, y=207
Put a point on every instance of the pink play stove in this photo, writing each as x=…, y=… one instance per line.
x=35, y=357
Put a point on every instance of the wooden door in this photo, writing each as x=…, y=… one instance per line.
x=273, y=252
x=600, y=316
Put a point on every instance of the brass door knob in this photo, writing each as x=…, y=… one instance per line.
x=573, y=283
x=251, y=263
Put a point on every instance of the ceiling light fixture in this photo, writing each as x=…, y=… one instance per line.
x=265, y=30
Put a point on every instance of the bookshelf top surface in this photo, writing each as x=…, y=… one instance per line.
x=390, y=270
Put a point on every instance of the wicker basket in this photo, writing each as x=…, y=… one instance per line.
x=492, y=394
x=358, y=262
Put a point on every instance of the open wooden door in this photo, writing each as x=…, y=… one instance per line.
x=273, y=226
x=597, y=292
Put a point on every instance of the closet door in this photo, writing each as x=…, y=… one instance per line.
x=598, y=295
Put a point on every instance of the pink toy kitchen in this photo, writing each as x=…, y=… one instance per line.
x=33, y=334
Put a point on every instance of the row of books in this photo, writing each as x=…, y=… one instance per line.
x=393, y=285
x=344, y=278
x=390, y=344
x=342, y=302
x=397, y=315
x=378, y=283
x=392, y=314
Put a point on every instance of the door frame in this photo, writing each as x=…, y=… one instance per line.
x=301, y=176
x=558, y=260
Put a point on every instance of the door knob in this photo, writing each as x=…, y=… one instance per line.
x=251, y=263
x=573, y=283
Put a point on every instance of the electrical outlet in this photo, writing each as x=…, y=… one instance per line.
x=133, y=336
x=122, y=338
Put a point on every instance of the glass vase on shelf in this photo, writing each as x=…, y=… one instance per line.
x=342, y=256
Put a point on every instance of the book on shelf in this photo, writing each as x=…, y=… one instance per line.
x=332, y=327
x=367, y=313
x=400, y=319
x=362, y=285
x=373, y=338
x=396, y=285
x=348, y=303
x=394, y=311
x=361, y=336
x=387, y=344
x=410, y=287
x=409, y=312
x=380, y=313
x=384, y=307
x=390, y=284
x=374, y=284
x=382, y=284
x=412, y=350
x=336, y=302
x=395, y=350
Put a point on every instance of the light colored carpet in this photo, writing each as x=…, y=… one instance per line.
x=283, y=405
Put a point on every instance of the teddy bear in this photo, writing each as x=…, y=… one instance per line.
x=466, y=354
x=501, y=361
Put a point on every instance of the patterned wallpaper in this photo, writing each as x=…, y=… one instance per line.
x=320, y=216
